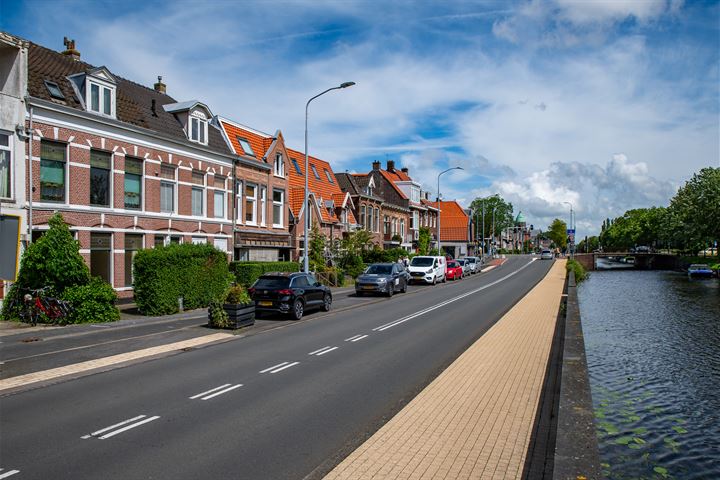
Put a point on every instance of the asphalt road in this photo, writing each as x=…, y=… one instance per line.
x=288, y=403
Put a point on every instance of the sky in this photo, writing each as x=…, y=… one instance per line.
x=609, y=105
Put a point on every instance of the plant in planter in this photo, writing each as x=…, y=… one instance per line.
x=238, y=310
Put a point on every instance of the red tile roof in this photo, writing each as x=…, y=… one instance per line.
x=453, y=221
x=258, y=142
x=398, y=175
x=392, y=178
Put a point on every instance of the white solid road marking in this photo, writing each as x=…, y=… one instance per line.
x=319, y=350
x=273, y=368
x=359, y=338
x=8, y=473
x=283, y=368
x=142, y=420
x=447, y=302
x=327, y=351
x=229, y=389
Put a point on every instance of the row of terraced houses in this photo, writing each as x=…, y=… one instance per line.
x=130, y=167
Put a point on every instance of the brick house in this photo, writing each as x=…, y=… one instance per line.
x=261, y=220
x=332, y=209
x=128, y=166
x=395, y=212
x=455, y=229
x=367, y=206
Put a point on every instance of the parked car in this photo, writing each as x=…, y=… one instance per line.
x=289, y=293
x=427, y=269
x=454, y=270
x=465, y=266
x=642, y=249
x=546, y=255
x=473, y=263
x=386, y=278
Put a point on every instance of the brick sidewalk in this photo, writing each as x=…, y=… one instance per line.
x=475, y=419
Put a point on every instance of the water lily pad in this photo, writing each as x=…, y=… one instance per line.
x=634, y=446
x=679, y=429
x=623, y=440
x=661, y=471
x=638, y=440
x=639, y=430
x=633, y=418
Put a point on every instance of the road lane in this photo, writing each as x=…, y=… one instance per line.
x=282, y=425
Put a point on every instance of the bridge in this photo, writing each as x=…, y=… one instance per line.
x=640, y=261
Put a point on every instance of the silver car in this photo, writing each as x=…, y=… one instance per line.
x=473, y=264
x=384, y=278
x=546, y=255
x=465, y=266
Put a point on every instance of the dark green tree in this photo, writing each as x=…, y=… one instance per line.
x=697, y=206
x=424, y=241
x=503, y=214
x=557, y=232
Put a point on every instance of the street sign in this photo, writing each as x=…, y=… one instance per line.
x=571, y=231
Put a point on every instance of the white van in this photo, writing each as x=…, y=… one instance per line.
x=427, y=269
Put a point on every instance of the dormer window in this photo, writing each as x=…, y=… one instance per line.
x=197, y=127
x=54, y=90
x=279, y=165
x=100, y=92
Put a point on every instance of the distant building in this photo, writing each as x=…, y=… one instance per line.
x=455, y=232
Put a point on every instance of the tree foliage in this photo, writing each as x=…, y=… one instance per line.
x=503, y=214
x=424, y=241
x=640, y=226
x=557, y=232
x=696, y=207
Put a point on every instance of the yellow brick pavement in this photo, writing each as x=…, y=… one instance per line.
x=474, y=420
x=30, y=378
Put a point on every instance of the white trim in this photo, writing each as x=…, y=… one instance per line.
x=129, y=212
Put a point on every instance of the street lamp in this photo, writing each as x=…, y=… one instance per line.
x=438, y=204
x=306, y=263
x=493, y=231
x=571, y=228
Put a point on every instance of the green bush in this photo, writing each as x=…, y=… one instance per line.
x=217, y=316
x=237, y=294
x=247, y=272
x=580, y=273
x=197, y=273
x=94, y=302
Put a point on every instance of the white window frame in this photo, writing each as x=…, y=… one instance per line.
x=215, y=202
x=202, y=125
x=281, y=204
x=8, y=149
x=263, y=205
x=239, y=201
x=279, y=167
x=254, y=200
x=377, y=220
x=103, y=87
x=173, y=183
x=363, y=212
x=202, y=201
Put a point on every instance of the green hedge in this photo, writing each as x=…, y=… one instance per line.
x=247, y=272
x=94, y=302
x=197, y=273
x=580, y=273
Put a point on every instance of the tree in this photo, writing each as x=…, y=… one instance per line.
x=503, y=214
x=317, y=248
x=424, y=241
x=640, y=226
x=589, y=244
x=557, y=232
x=697, y=206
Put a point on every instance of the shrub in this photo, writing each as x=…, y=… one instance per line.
x=94, y=302
x=580, y=273
x=197, y=273
x=247, y=272
x=237, y=294
x=217, y=316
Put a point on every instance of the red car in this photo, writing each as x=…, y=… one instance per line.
x=454, y=270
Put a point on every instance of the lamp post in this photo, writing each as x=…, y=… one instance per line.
x=493, y=229
x=438, y=205
x=571, y=228
x=306, y=263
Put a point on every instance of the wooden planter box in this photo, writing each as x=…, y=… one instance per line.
x=239, y=314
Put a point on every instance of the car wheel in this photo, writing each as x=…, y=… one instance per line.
x=297, y=309
x=327, y=302
x=390, y=290
x=444, y=278
x=404, y=289
x=434, y=280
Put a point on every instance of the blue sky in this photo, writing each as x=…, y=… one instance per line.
x=610, y=105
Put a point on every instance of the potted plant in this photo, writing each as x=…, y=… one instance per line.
x=235, y=311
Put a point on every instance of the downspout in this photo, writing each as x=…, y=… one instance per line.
x=30, y=183
x=233, y=209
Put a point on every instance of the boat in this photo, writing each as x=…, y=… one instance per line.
x=700, y=270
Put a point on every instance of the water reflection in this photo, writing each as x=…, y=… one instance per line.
x=653, y=346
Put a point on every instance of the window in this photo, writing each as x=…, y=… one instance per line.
x=327, y=174
x=263, y=205
x=196, y=199
x=245, y=145
x=377, y=220
x=100, y=255
x=167, y=189
x=221, y=244
x=175, y=240
x=159, y=241
x=133, y=183
x=238, y=201
x=54, y=90
x=297, y=167
x=100, y=164
x=402, y=229
x=5, y=183
x=52, y=171
x=198, y=128
x=102, y=99
x=133, y=243
x=362, y=215
x=278, y=208
x=219, y=204
x=415, y=220
x=415, y=194
x=279, y=165
x=198, y=240
x=386, y=225
x=250, y=203
x=315, y=172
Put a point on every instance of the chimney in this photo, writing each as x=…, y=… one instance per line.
x=391, y=165
x=376, y=165
x=70, y=49
x=405, y=170
x=160, y=86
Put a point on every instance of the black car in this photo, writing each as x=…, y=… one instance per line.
x=386, y=278
x=291, y=293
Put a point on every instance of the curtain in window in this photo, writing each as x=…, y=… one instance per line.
x=167, y=191
x=197, y=202
x=4, y=173
x=132, y=190
x=219, y=205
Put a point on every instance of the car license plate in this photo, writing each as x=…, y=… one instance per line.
x=265, y=304
x=368, y=287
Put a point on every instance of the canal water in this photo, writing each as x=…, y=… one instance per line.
x=653, y=349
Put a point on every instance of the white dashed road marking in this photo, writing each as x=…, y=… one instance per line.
x=8, y=473
x=360, y=337
x=216, y=391
x=273, y=368
x=283, y=368
x=323, y=351
x=352, y=338
x=141, y=420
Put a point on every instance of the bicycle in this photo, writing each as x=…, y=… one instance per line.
x=37, y=304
